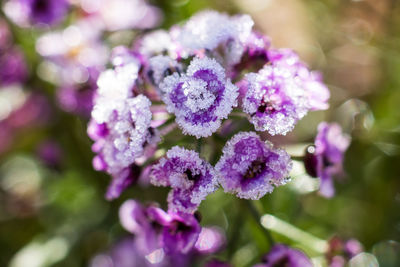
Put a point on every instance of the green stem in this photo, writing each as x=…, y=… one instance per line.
x=198, y=146
x=256, y=215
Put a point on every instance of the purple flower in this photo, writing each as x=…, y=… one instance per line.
x=36, y=12
x=325, y=158
x=201, y=98
x=316, y=91
x=282, y=92
x=250, y=168
x=283, y=256
x=13, y=67
x=190, y=177
x=175, y=233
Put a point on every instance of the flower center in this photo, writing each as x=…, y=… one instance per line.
x=198, y=96
x=178, y=227
x=190, y=175
x=255, y=169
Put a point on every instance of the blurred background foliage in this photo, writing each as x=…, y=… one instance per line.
x=57, y=215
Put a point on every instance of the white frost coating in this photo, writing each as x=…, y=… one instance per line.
x=157, y=42
x=128, y=133
x=208, y=29
x=114, y=87
x=199, y=98
x=161, y=63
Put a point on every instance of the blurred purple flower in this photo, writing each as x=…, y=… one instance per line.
x=190, y=177
x=123, y=14
x=13, y=68
x=50, y=153
x=175, y=233
x=250, y=167
x=341, y=251
x=325, y=158
x=36, y=12
x=283, y=256
x=201, y=98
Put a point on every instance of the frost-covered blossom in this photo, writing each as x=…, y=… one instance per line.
x=156, y=43
x=127, y=133
x=120, y=125
x=190, y=177
x=282, y=93
x=250, y=168
x=13, y=67
x=281, y=255
x=174, y=233
x=325, y=158
x=201, y=98
x=316, y=91
x=36, y=12
x=162, y=66
x=210, y=29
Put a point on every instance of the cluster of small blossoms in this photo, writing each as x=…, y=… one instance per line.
x=200, y=72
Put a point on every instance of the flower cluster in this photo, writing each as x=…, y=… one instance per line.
x=195, y=74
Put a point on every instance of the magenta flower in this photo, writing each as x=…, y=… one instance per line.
x=325, y=158
x=190, y=177
x=250, y=167
x=201, y=98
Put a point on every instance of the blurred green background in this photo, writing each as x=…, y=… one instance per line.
x=58, y=216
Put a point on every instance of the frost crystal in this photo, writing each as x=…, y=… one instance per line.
x=250, y=168
x=201, y=98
